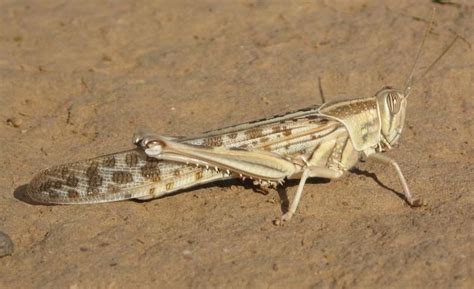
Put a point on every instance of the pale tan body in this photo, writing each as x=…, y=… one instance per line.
x=320, y=141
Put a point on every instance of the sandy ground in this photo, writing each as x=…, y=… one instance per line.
x=78, y=78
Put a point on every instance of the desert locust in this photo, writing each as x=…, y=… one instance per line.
x=319, y=141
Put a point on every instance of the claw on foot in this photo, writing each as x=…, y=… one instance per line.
x=285, y=218
x=416, y=203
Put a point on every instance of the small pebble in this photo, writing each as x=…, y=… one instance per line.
x=265, y=100
x=234, y=188
x=14, y=121
x=6, y=245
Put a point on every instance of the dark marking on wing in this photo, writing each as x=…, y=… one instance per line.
x=109, y=162
x=122, y=177
x=151, y=170
x=131, y=159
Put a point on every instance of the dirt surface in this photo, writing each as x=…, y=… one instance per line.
x=78, y=78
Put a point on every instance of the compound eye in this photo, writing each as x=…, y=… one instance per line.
x=394, y=102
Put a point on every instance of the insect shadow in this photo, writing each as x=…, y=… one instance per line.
x=373, y=176
x=248, y=185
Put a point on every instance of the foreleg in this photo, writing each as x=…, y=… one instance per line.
x=414, y=202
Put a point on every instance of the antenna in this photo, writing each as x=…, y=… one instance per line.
x=438, y=58
x=321, y=93
x=409, y=80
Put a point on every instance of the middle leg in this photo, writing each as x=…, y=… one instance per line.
x=310, y=171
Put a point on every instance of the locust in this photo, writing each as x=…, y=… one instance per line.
x=322, y=141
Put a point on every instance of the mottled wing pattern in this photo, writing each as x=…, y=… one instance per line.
x=124, y=175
